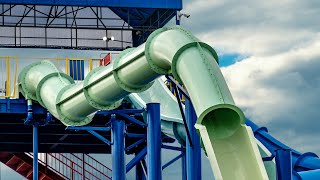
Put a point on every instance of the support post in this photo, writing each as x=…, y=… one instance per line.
x=118, y=156
x=193, y=152
x=284, y=164
x=154, y=141
x=35, y=152
x=184, y=168
x=139, y=172
x=178, y=18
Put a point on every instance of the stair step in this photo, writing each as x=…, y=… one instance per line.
x=13, y=161
x=23, y=168
x=42, y=176
x=29, y=174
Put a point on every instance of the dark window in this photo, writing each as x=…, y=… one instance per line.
x=76, y=69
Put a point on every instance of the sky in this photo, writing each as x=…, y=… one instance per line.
x=269, y=54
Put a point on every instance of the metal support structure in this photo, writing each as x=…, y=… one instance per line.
x=118, y=143
x=35, y=152
x=193, y=151
x=184, y=167
x=137, y=159
x=118, y=150
x=154, y=141
x=183, y=115
x=284, y=164
x=178, y=18
x=139, y=172
x=30, y=120
x=139, y=169
x=173, y=160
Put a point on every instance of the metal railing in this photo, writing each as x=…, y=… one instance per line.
x=74, y=166
x=10, y=67
x=170, y=86
x=8, y=76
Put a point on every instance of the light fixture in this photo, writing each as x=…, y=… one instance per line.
x=184, y=15
x=108, y=38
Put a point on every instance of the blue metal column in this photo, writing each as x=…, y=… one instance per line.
x=118, y=156
x=139, y=172
x=284, y=164
x=193, y=153
x=154, y=142
x=35, y=151
x=184, y=168
x=178, y=18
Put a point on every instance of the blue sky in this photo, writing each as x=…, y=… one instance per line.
x=228, y=59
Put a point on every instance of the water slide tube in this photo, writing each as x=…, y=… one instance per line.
x=228, y=142
x=172, y=123
x=305, y=166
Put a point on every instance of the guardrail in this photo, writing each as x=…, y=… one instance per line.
x=10, y=67
x=74, y=166
x=8, y=77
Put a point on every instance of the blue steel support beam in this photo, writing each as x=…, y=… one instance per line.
x=118, y=153
x=284, y=164
x=173, y=148
x=97, y=135
x=193, y=151
x=154, y=142
x=139, y=172
x=35, y=152
x=172, y=161
x=300, y=162
x=136, y=160
x=135, y=144
x=184, y=167
x=87, y=128
x=177, y=18
x=311, y=175
x=165, y=4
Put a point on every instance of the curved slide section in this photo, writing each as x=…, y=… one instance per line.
x=236, y=147
x=167, y=51
x=306, y=165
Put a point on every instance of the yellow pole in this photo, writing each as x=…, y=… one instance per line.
x=90, y=64
x=15, y=79
x=8, y=77
x=67, y=66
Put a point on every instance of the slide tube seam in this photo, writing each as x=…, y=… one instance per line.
x=121, y=83
x=91, y=101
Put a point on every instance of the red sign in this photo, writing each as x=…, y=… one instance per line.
x=106, y=60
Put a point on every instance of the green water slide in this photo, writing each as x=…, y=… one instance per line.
x=229, y=144
x=172, y=125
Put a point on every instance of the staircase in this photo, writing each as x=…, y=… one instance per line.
x=57, y=166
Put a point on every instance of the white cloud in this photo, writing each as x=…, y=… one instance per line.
x=278, y=84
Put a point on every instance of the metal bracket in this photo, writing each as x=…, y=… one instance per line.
x=176, y=87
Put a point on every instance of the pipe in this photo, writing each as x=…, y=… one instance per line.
x=30, y=112
x=300, y=162
x=41, y=82
x=309, y=175
x=167, y=51
x=193, y=153
x=34, y=138
x=154, y=141
x=118, y=156
x=35, y=151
